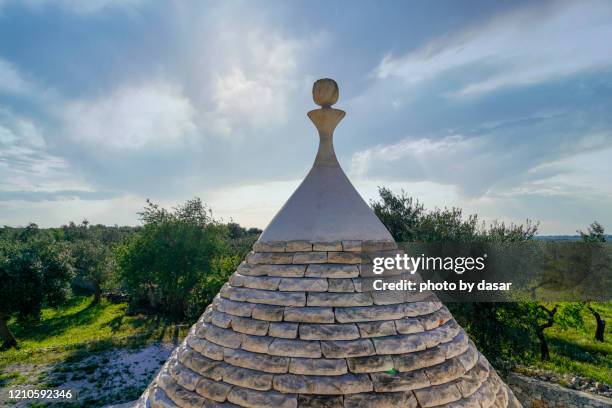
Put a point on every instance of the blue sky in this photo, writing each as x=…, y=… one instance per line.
x=501, y=108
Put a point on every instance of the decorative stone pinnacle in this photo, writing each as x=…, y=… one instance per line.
x=325, y=92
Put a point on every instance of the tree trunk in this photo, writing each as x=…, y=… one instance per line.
x=544, y=352
x=7, y=337
x=97, y=293
x=601, y=325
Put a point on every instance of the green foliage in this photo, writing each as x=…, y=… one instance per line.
x=408, y=221
x=502, y=331
x=93, y=264
x=569, y=315
x=595, y=233
x=34, y=272
x=163, y=264
x=209, y=284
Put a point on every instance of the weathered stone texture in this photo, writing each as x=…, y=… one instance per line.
x=295, y=348
x=386, y=382
x=222, y=337
x=266, y=297
x=457, y=346
x=286, y=333
x=159, y=399
x=184, y=377
x=366, y=314
x=256, y=344
x=399, y=344
x=377, y=329
x=370, y=364
x=247, y=378
x=435, y=319
x=250, y=326
x=320, y=401
x=317, y=366
x=206, y=348
x=339, y=299
x=409, y=325
x=303, y=285
x=215, y=390
x=268, y=313
x=257, y=361
x=328, y=331
x=289, y=271
x=299, y=246
x=269, y=258
x=234, y=308
x=307, y=384
x=381, y=400
x=309, y=257
x=347, y=348
x=309, y=314
x=327, y=246
x=341, y=285
x=259, y=282
x=420, y=359
x=284, y=330
x=332, y=271
x=437, y=395
x=203, y=366
x=532, y=392
x=351, y=246
x=270, y=246
x=344, y=258
x=220, y=319
x=447, y=371
x=261, y=399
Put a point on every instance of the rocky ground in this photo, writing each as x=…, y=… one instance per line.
x=110, y=377
x=570, y=381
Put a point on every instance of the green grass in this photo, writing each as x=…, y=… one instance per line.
x=574, y=350
x=80, y=327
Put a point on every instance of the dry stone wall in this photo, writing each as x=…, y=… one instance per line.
x=535, y=393
x=293, y=327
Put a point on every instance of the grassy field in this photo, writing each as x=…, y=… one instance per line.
x=78, y=344
x=80, y=326
x=575, y=351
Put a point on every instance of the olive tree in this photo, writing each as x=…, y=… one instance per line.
x=33, y=273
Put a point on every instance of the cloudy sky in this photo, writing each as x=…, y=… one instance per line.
x=502, y=108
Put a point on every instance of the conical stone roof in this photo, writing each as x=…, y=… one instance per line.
x=297, y=326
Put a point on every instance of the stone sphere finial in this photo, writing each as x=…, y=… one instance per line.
x=325, y=92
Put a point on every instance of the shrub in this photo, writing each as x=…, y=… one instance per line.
x=164, y=264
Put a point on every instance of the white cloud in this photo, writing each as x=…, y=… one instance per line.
x=254, y=77
x=482, y=164
x=156, y=114
x=421, y=156
x=26, y=165
x=12, y=81
x=528, y=46
x=81, y=6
